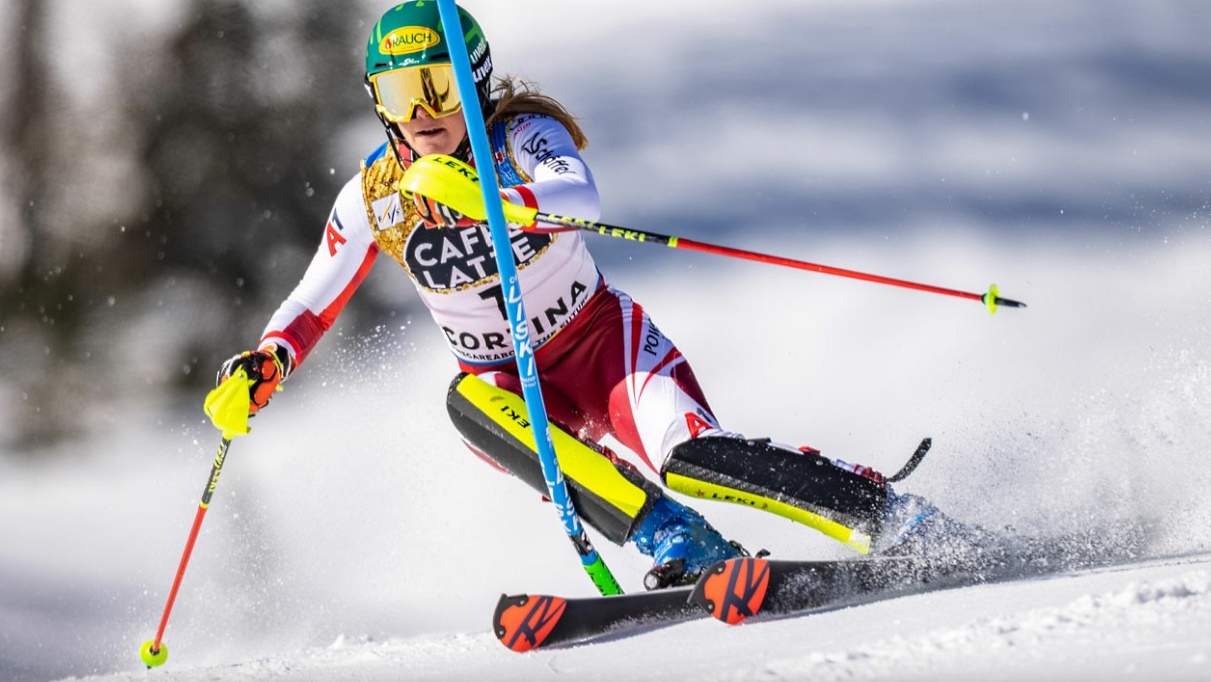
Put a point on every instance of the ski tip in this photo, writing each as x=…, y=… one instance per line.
x=523, y=622
x=733, y=590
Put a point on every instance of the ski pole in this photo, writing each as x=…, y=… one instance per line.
x=489, y=201
x=154, y=652
x=453, y=183
x=227, y=406
x=991, y=298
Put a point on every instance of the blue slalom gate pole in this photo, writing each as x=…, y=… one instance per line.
x=557, y=487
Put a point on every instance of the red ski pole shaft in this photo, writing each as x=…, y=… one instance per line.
x=691, y=245
x=211, y=483
x=990, y=299
x=454, y=183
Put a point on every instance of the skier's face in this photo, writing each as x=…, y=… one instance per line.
x=428, y=135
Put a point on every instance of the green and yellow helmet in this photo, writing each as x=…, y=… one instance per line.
x=408, y=63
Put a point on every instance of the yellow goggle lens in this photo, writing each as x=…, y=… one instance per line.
x=401, y=91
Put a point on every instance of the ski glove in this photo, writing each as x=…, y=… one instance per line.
x=437, y=215
x=266, y=368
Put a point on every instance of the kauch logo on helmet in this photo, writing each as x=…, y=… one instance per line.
x=409, y=39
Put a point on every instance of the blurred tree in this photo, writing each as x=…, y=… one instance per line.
x=24, y=98
x=38, y=315
x=237, y=116
x=229, y=126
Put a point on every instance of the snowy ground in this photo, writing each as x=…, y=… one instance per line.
x=1060, y=151
x=1146, y=622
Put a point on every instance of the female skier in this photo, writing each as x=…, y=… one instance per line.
x=605, y=368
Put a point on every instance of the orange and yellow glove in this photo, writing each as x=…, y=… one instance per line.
x=265, y=369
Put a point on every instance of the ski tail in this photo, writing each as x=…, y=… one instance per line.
x=738, y=589
x=530, y=621
x=733, y=590
x=525, y=622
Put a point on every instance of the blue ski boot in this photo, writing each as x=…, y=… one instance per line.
x=914, y=527
x=911, y=525
x=681, y=543
x=907, y=523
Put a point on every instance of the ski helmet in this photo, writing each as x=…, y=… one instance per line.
x=410, y=35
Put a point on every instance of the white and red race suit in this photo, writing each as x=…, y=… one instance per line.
x=604, y=366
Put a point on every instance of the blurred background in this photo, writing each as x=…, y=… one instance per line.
x=167, y=167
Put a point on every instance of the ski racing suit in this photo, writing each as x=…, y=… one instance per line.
x=604, y=364
x=605, y=368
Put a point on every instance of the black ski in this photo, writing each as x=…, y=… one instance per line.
x=529, y=621
x=737, y=589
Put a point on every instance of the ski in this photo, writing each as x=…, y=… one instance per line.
x=737, y=589
x=731, y=591
x=528, y=621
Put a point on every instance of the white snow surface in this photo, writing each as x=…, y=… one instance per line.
x=352, y=537
x=1147, y=621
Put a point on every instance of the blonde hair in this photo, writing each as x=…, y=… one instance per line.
x=514, y=97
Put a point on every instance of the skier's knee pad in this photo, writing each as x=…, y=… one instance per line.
x=608, y=494
x=802, y=487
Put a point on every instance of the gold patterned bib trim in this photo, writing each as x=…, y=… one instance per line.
x=438, y=260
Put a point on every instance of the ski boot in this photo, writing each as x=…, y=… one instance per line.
x=913, y=527
x=681, y=543
x=907, y=524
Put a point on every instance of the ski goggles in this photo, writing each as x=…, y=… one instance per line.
x=400, y=92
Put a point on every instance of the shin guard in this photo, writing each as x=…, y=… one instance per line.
x=609, y=494
x=802, y=487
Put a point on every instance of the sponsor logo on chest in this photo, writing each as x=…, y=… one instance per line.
x=444, y=260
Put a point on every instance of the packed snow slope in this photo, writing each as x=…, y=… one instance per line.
x=1057, y=149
